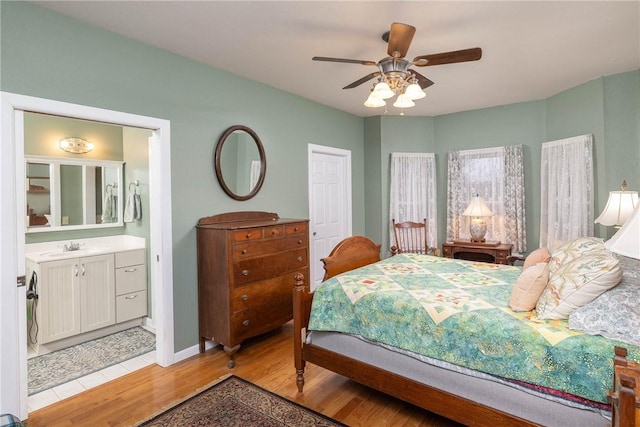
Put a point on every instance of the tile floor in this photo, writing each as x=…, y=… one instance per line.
x=63, y=391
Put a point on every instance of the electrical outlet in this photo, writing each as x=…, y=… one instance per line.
x=65, y=220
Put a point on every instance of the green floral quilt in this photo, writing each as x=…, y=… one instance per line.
x=458, y=311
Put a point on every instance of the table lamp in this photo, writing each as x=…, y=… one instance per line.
x=477, y=210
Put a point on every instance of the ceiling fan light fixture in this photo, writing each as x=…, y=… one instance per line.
x=383, y=91
x=414, y=91
x=373, y=101
x=403, y=101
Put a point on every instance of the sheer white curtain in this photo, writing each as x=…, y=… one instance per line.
x=412, y=195
x=566, y=187
x=497, y=175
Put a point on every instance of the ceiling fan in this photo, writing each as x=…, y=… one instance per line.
x=394, y=73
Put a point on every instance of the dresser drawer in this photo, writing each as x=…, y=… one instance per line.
x=271, y=232
x=131, y=279
x=261, y=247
x=300, y=228
x=127, y=258
x=266, y=312
x=277, y=293
x=131, y=306
x=255, y=269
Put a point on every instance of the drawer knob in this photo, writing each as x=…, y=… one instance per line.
x=299, y=259
x=131, y=297
x=245, y=272
x=244, y=297
x=295, y=228
x=299, y=242
x=248, y=235
x=131, y=270
x=244, y=251
x=245, y=323
x=273, y=232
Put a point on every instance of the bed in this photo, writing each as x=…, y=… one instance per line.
x=499, y=382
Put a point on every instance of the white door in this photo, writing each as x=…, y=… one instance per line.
x=329, y=203
x=13, y=318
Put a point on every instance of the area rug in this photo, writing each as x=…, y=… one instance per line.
x=232, y=401
x=59, y=367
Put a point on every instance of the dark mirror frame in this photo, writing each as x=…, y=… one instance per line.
x=218, y=155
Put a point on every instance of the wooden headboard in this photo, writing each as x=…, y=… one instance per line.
x=351, y=253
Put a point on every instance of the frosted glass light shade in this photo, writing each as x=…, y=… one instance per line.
x=373, y=101
x=383, y=91
x=619, y=208
x=626, y=241
x=403, y=102
x=76, y=145
x=414, y=91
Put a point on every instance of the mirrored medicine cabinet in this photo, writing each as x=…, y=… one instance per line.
x=72, y=194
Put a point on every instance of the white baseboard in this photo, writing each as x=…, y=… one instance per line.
x=192, y=351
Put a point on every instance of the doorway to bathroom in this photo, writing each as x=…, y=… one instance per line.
x=13, y=324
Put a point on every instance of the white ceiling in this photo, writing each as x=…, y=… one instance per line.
x=531, y=50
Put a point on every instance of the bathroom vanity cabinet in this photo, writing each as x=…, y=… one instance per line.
x=85, y=294
x=74, y=296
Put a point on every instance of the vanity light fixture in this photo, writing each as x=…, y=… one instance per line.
x=76, y=145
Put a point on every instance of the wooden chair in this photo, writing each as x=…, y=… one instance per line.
x=411, y=237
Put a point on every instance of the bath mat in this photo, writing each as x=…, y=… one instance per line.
x=59, y=367
x=232, y=401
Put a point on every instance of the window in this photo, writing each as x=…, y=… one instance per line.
x=566, y=179
x=412, y=195
x=497, y=175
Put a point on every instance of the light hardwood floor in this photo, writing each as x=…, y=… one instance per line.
x=266, y=361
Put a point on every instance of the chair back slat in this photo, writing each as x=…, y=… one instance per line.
x=411, y=237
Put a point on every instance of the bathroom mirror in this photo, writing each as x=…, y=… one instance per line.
x=240, y=162
x=69, y=194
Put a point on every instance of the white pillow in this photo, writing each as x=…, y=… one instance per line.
x=574, y=249
x=577, y=283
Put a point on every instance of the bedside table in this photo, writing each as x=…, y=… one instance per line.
x=492, y=252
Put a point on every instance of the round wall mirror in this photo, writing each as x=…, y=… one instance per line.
x=240, y=162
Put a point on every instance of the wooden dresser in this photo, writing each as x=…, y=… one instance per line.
x=246, y=267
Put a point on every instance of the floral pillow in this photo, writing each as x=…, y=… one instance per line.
x=616, y=313
x=574, y=249
x=577, y=283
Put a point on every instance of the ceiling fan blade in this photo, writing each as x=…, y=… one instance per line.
x=422, y=80
x=400, y=38
x=362, y=80
x=464, y=55
x=348, y=61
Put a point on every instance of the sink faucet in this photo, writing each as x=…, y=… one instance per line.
x=71, y=247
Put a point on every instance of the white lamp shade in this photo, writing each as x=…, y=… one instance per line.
x=383, y=91
x=619, y=208
x=373, y=101
x=403, y=102
x=626, y=241
x=477, y=207
x=414, y=91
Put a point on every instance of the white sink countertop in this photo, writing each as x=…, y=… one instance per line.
x=53, y=251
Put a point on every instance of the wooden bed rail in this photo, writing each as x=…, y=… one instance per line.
x=301, y=310
x=623, y=397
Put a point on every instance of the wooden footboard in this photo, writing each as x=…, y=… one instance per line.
x=624, y=396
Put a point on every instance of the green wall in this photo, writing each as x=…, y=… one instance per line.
x=119, y=74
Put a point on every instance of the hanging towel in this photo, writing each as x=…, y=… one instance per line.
x=133, y=209
x=130, y=207
x=108, y=208
x=137, y=206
